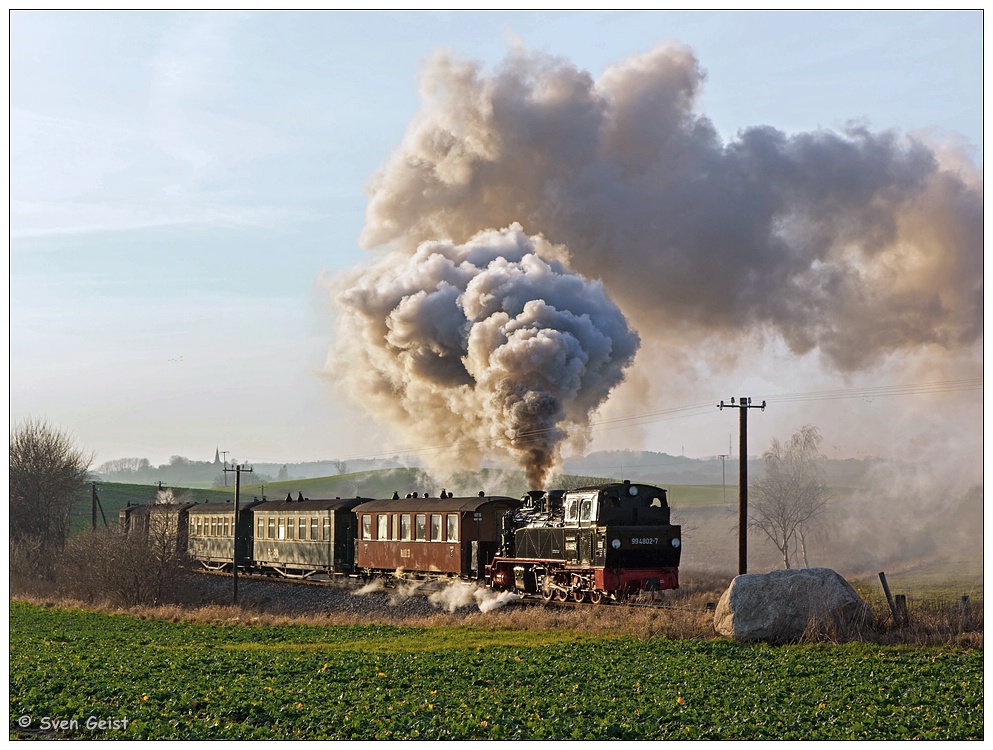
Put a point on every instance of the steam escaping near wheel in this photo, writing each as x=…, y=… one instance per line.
x=487, y=346
x=457, y=595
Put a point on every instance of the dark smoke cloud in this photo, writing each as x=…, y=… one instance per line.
x=855, y=244
x=494, y=344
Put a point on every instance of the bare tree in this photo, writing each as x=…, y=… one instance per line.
x=791, y=495
x=341, y=467
x=47, y=475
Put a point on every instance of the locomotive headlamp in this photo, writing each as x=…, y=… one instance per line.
x=675, y=543
x=632, y=490
x=615, y=543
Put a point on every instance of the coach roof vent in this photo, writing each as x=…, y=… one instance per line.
x=396, y=495
x=299, y=497
x=289, y=497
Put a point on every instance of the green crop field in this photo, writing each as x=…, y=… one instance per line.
x=71, y=670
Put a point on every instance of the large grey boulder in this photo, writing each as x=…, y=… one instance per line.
x=788, y=605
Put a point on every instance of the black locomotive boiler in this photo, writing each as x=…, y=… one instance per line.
x=612, y=541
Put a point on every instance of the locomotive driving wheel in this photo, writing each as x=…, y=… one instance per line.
x=561, y=595
x=597, y=596
x=578, y=595
x=547, y=592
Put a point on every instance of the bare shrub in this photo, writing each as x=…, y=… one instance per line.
x=122, y=569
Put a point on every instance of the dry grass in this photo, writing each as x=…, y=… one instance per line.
x=686, y=614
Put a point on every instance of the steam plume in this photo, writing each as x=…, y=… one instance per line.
x=492, y=343
x=856, y=245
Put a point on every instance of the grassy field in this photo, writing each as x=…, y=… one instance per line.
x=70, y=670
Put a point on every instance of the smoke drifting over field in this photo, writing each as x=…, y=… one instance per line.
x=512, y=191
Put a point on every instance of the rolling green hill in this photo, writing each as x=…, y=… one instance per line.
x=114, y=496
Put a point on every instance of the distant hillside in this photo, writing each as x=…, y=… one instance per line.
x=661, y=468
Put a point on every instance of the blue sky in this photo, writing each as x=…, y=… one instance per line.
x=181, y=183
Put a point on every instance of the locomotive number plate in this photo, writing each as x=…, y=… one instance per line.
x=644, y=540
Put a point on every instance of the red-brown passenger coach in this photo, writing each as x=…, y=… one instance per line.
x=430, y=536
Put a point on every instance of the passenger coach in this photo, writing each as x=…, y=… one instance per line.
x=212, y=534
x=297, y=538
x=433, y=536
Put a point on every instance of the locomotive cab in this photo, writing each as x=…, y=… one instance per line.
x=623, y=505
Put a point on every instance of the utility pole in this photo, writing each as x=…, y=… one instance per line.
x=743, y=405
x=94, y=504
x=724, y=480
x=238, y=469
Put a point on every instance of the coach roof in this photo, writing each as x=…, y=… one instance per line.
x=435, y=504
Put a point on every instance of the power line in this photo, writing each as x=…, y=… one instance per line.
x=699, y=409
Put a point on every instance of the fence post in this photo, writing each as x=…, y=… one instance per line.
x=889, y=598
x=902, y=617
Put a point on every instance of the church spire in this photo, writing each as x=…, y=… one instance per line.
x=217, y=456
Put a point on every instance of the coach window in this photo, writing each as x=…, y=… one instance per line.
x=435, y=527
x=260, y=528
x=282, y=528
x=327, y=529
x=366, y=526
x=213, y=525
x=271, y=534
x=227, y=526
x=302, y=528
x=290, y=525
x=313, y=529
x=420, y=527
x=382, y=525
x=453, y=527
x=405, y=527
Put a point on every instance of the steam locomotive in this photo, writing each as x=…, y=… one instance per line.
x=610, y=541
x=589, y=544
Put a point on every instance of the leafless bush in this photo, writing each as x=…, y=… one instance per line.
x=121, y=569
x=30, y=563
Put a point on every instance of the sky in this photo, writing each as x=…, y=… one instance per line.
x=193, y=195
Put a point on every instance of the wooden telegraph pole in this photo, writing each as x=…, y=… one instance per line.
x=744, y=404
x=238, y=469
